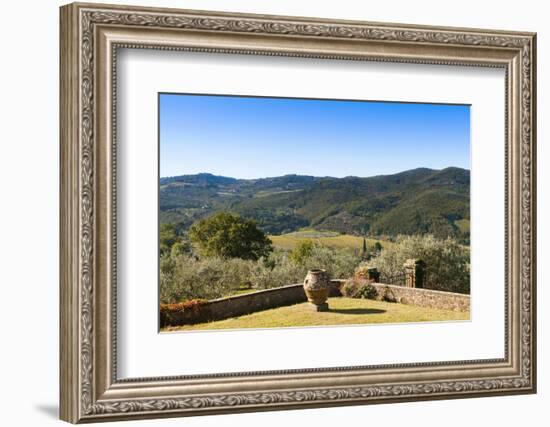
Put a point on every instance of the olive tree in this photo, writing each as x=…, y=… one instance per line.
x=447, y=261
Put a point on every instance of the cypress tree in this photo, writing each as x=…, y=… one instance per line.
x=364, y=252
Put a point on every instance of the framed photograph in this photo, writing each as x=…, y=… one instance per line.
x=266, y=212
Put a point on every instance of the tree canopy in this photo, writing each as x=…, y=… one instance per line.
x=167, y=237
x=226, y=235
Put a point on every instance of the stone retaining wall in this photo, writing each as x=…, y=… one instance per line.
x=238, y=305
x=427, y=298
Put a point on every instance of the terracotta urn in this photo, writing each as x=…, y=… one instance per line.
x=316, y=287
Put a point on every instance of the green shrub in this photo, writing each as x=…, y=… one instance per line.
x=367, y=291
x=350, y=288
x=354, y=288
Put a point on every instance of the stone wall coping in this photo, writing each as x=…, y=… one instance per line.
x=261, y=291
x=266, y=291
x=422, y=290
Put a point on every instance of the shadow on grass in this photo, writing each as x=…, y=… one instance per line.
x=356, y=310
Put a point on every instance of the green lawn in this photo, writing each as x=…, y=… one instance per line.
x=326, y=238
x=343, y=311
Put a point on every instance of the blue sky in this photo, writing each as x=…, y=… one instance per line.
x=251, y=137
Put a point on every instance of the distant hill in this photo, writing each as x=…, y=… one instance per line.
x=415, y=201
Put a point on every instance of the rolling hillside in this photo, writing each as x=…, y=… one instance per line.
x=415, y=201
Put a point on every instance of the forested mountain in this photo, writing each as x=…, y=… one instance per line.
x=415, y=201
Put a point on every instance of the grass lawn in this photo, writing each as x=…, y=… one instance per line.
x=326, y=238
x=343, y=311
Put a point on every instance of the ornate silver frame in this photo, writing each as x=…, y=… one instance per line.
x=90, y=35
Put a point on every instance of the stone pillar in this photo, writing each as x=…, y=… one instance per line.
x=373, y=275
x=370, y=274
x=415, y=273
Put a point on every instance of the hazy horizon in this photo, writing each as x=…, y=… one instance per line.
x=250, y=137
x=314, y=176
